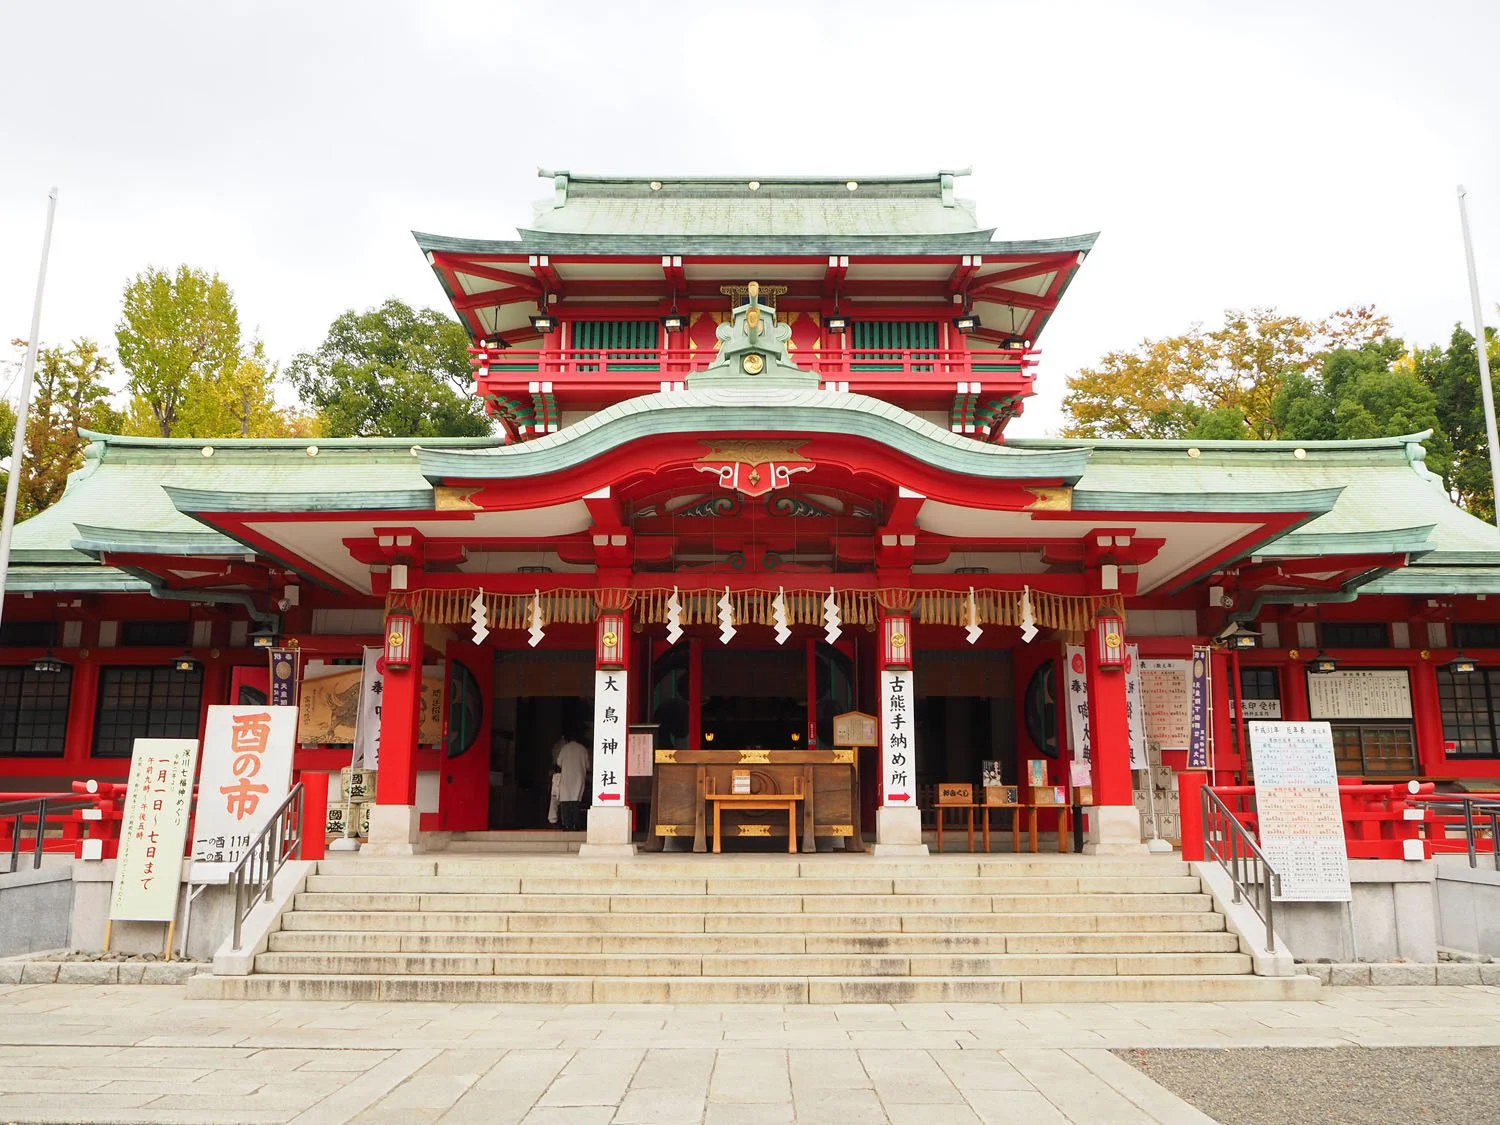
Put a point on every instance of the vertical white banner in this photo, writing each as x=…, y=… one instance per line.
x=1076, y=695
x=898, y=739
x=1135, y=709
x=367, y=726
x=158, y=801
x=610, y=739
x=247, y=773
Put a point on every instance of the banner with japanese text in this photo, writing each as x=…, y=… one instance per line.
x=1199, y=734
x=283, y=676
x=898, y=739
x=1076, y=700
x=610, y=739
x=158, y=803
x=246, y=774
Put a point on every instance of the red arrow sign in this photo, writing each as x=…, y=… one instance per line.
x=900, y=796
x=609, y=796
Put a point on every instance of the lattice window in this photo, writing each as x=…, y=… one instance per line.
x=1468, y=706
x=34, y=711
x=1356, y=634
x=145, y=703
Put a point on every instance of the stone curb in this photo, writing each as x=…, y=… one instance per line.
x=1382, y=975
x=98, y=972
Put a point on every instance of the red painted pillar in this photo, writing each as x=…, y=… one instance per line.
x=400, y=724
x=1427, y=709
x=898, y=821
x=314, y=813
x=1109, y=731
x=1294, y=706
x=1190, y=785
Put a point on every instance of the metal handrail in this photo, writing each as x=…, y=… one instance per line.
x=1481, y=805
x=19, y=812
x=253, y=877
x=1226, y=840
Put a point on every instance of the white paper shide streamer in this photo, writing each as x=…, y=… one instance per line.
x=1028, y=622
x=778, y=616
x=481, y=618
x=674, y=618
x=536, y=620
x=833, y=625
x=973, y=631
x=726, y=618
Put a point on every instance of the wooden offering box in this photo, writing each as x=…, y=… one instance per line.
x=829, y=784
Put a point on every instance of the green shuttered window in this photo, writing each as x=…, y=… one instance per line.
x=638, y=339
x=892, y=337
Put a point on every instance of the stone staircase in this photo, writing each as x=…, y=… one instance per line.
x=753, y=928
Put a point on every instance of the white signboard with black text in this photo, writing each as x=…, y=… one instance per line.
x=1076, y=700
x=1297, y=801
x=1360, y=693
x=610, y=739
x=246, y=774
x=898, y=740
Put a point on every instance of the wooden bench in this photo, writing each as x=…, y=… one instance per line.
x=758, y=802
x=1064, y=823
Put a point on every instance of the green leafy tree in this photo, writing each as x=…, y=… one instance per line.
x=69, y=393
x=392, y=371
x=239, y=403
x=179, y=341
x=1210, y=384
x=1452, y=374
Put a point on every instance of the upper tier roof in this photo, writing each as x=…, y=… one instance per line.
x=729, y=206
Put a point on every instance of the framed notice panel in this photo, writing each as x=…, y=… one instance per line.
x=1360, y=693
x=1297, y=799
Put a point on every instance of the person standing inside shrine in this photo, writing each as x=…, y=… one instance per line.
x=573, y=762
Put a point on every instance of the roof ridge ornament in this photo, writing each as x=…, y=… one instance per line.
x=753, y=346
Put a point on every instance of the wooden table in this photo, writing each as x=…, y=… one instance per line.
x=1064, y=830
x=768, y=802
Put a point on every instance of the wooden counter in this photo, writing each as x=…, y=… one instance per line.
x=829, y=784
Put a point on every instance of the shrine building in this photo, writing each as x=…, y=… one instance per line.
x=752, y=500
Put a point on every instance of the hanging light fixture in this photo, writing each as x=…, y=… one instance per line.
x=1109, y=637
x=50, y=665
x=186, y=662
x=1236, y=636
x=1462, y=665
x=1322, y=664
x=543, y=322
x=968, y=323
x=398, y=631
x=674, y=321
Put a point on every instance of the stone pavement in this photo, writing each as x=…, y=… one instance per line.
x=143, y=1053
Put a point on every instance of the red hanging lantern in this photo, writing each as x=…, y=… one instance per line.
x=896, y=634
x=1109, y=638
x=398, y=631
x=609, y=645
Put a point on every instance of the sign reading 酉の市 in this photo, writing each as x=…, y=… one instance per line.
x=158, y=800
x=1297, y=800
x=898, y=740
x=247, y=772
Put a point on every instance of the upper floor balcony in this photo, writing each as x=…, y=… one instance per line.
x=974, y=391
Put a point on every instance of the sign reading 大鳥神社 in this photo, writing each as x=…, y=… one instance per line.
x=158, y=801
x=247, y=772
x=610, y=738
x=1297, y=802
x=898, y=739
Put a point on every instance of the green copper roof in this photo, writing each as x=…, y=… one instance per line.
x=769, y=245
x=87, y=578
x=754, y=206
x=710, y=410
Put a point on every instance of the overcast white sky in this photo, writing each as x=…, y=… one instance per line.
x=1296, y=153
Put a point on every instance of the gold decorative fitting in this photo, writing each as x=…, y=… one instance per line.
x=898, y=640
x=666, y=829
x=1194, y=452
x=446, y=498
x=1426, y=654
x=755, y=830
x=1294, y=654
x=395, y=640
x=666, y=755
x=611, y=639
x=845, y=756
x=753, y=363
x=1058, y=499
x=840, y=830
x=762, y=757
x=1113, y=640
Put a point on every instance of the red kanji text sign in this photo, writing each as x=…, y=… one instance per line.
x=158, y=801
x=247, y=771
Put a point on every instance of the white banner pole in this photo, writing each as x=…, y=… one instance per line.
x=23, y=407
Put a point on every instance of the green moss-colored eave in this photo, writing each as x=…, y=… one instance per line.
x=186, y=544
x=83, y=579
x=1309, y=501
x=606, y=245
x=1411, y=541
x=721, y=411
x=198, y=501
x=1426, y=580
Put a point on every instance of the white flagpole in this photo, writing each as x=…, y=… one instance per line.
x=23, y=408
x=1484, y=358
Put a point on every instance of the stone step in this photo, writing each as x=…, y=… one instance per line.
x=494, y=922
x=367, y=902
x=369, y=941
x=771, y=966
x=691, y=886
x=794, y=990
x=758, y=867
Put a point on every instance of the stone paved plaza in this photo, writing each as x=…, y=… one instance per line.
x=76, y=1053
